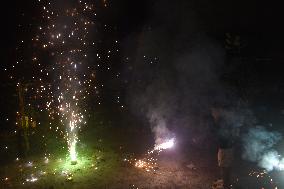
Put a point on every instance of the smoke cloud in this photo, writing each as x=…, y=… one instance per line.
x=173, y=73
x=174, y=76
x=259, y=146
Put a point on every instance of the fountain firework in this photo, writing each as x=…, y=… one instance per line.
x=65, y=38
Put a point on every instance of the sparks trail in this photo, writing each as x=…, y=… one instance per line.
x=149, y=162
x=70, y=39
x=64, y=37
x=262, y=176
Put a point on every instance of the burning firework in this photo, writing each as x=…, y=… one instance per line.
x=150, y=162
x=165, y=145
x=69, y=37
x=64, y=35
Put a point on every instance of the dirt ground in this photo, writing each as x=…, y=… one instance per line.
x=102, y=153
x=108, y=170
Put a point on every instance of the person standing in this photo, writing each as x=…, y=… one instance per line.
x=225, y=160
x=22, y=125
x=224, y=135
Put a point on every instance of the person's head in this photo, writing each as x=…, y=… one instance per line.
x=216, y=113
x=217, y=109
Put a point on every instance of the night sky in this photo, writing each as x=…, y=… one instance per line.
x=258, y=21
x=258, y=24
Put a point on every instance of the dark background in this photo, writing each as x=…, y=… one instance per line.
x=258, y=23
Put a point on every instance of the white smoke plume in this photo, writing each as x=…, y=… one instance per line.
x=159, y=127
x=259, y=146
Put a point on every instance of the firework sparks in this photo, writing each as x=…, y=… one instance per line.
x=150, y=161
x=165, y=145
x=32, y=179
x=147, y=164
x=56, y=68
x=65, y=38
x=263, y=177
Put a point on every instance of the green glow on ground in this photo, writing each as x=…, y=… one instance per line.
x=97, y=163
x=82, y=163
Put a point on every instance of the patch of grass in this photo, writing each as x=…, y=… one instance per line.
x=96, y=163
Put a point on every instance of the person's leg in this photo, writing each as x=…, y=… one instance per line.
x=227, y=177
x=26, y=142
x=20, y=143
x=223, y=175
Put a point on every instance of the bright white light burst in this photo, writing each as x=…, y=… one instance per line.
x=72, y=149
x=165, y=145
x=150, y=161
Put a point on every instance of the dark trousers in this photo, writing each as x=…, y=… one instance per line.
x=226, y=176
x=23, y=143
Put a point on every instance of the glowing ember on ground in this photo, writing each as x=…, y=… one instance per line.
x=150, y=162
x=264, y=176
x=147, y=164
x=29, y=164
x=32, y=179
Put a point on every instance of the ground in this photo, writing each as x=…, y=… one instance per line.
x=104, y=152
